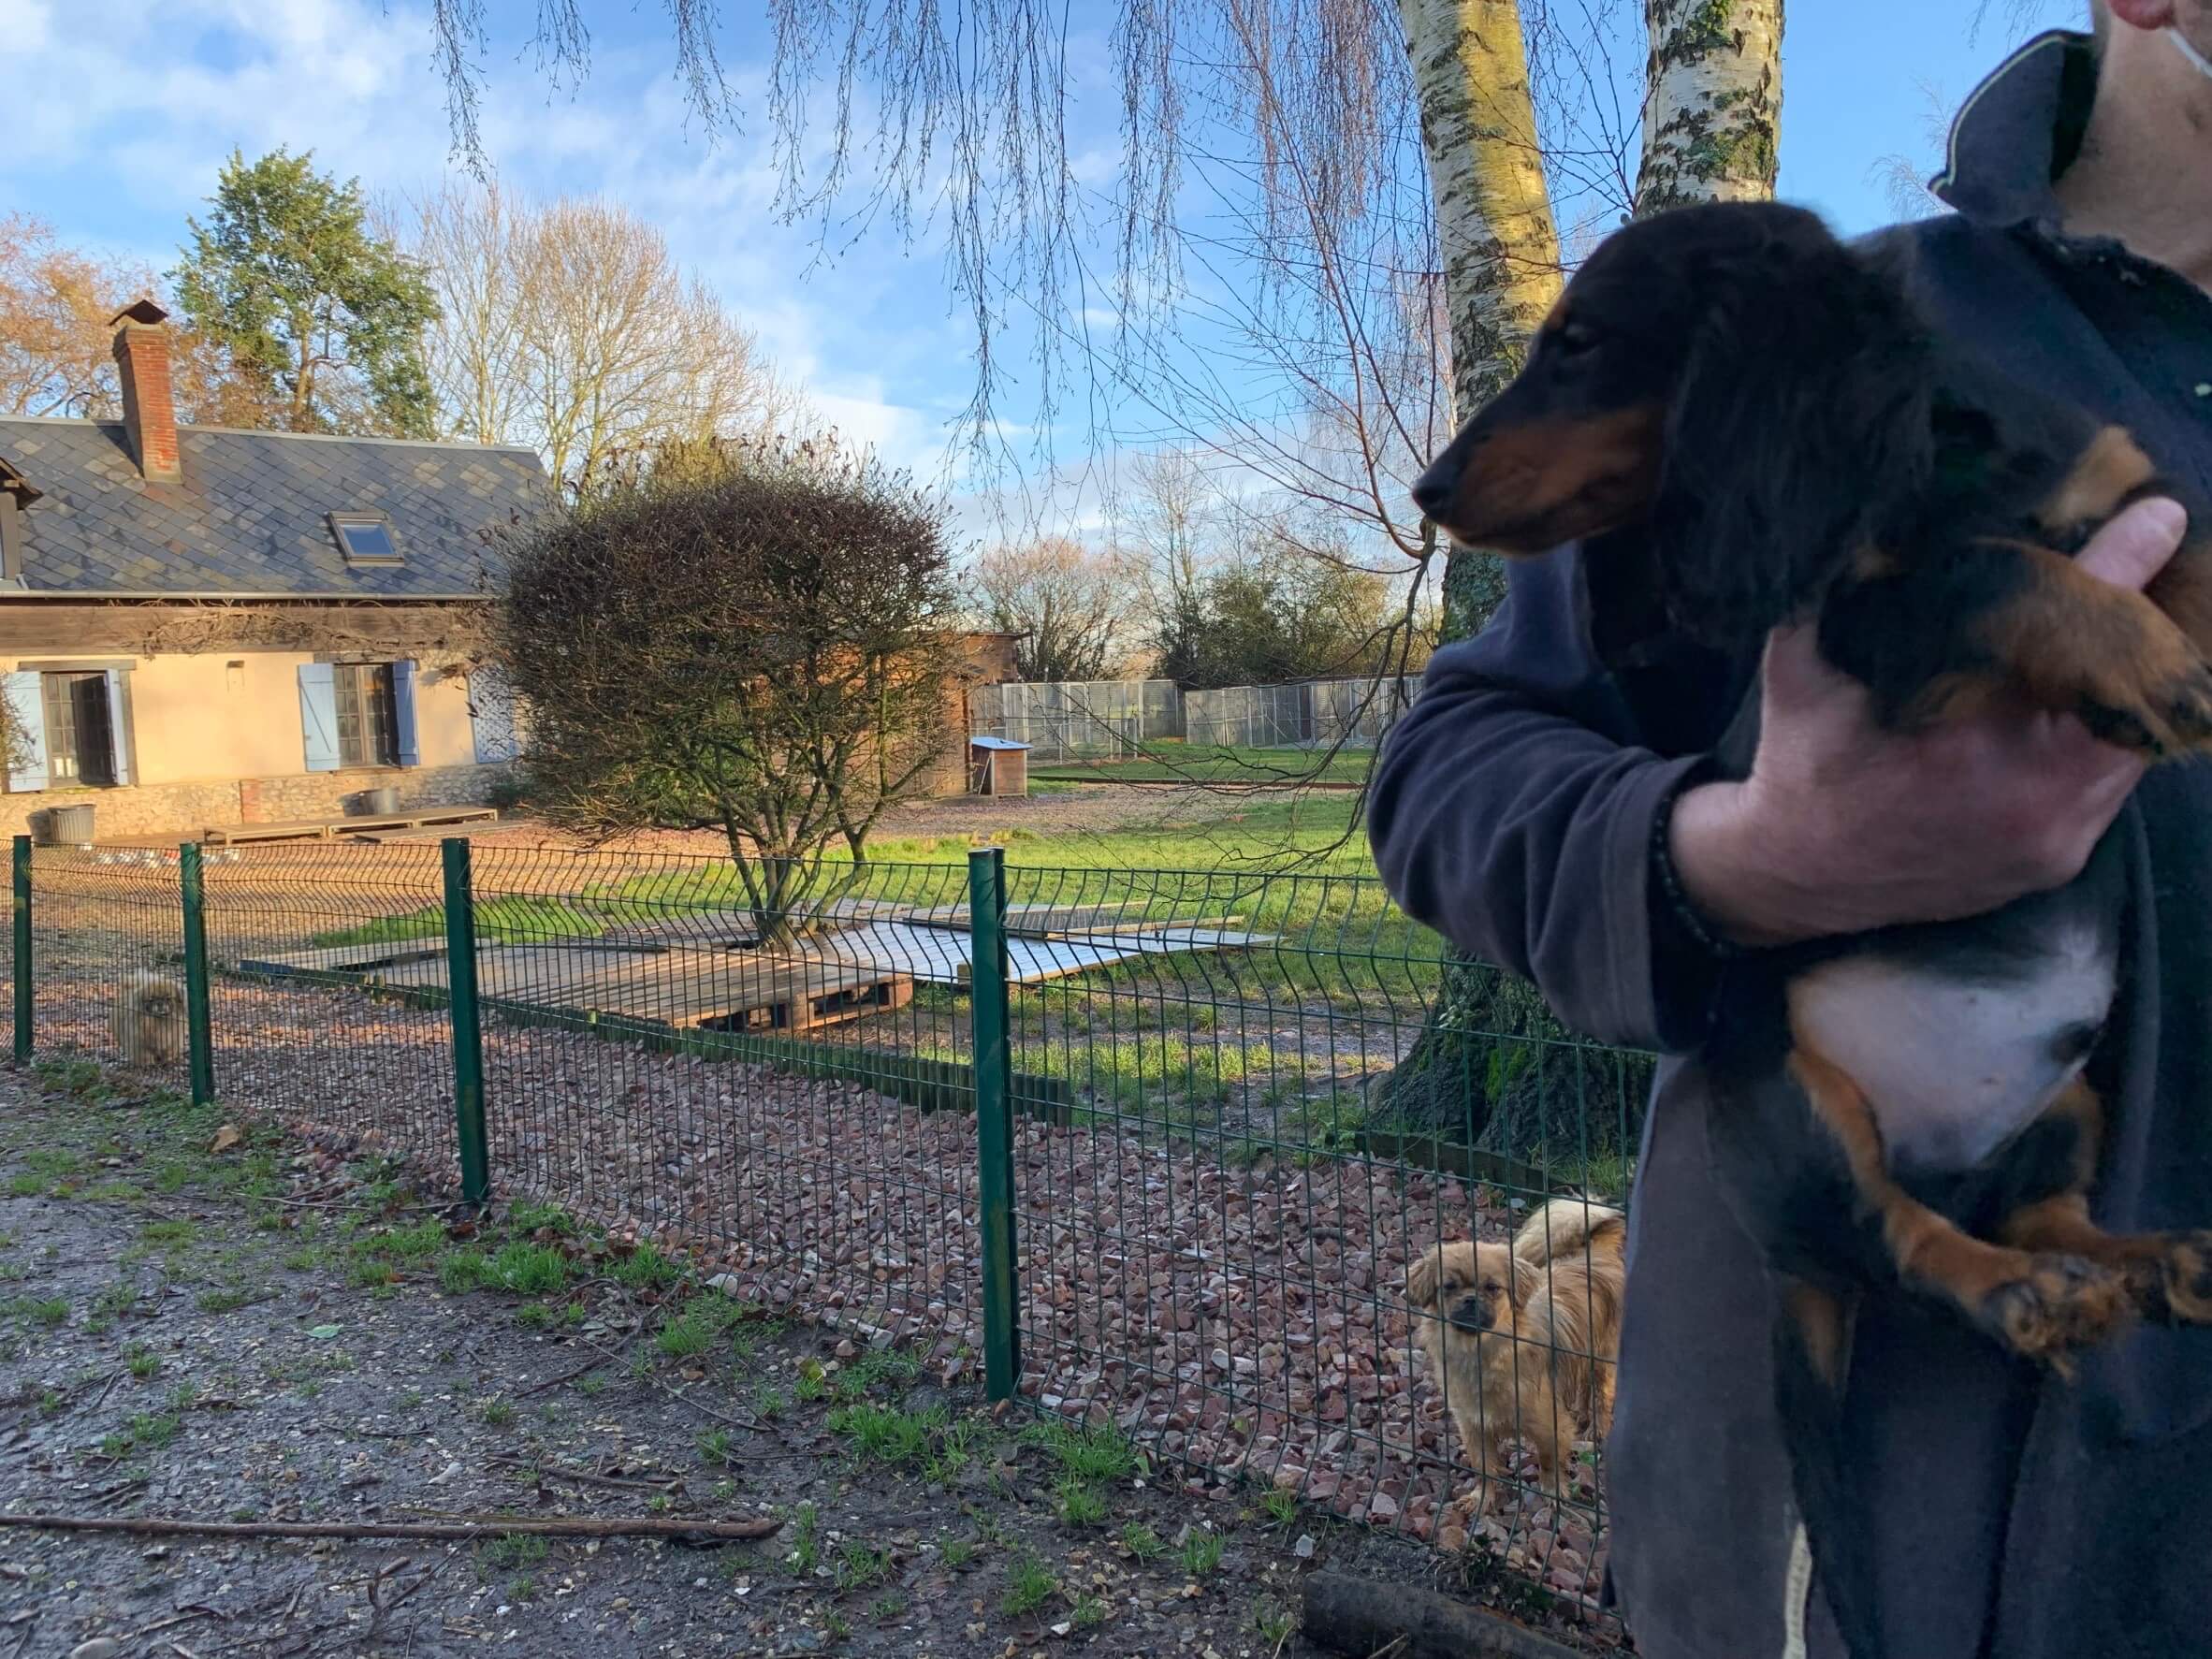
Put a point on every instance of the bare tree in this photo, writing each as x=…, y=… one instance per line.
x=754, y=638
x=570, y=326
x=57, y=337
x=1070, y=604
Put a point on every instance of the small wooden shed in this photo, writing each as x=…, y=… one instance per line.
x=997, y=767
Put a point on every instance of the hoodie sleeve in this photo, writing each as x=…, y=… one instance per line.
x=1511, y=812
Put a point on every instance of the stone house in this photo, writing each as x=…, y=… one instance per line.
x=203, y=627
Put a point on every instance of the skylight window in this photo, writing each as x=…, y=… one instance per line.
x=366, y=538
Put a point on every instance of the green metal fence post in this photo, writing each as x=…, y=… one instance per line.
x=23, y=949
x=468, y=1032
x=198, y=1030
x=993, y=1118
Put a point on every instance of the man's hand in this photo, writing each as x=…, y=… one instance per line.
x=1843, y=827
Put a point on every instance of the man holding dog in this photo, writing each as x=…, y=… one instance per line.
x=1561, y=821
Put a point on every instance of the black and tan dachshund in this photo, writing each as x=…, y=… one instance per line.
x=1747, y=423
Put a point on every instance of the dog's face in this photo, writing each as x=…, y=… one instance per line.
x=159, y=1005
x=1470, y=1288
x=1577, y=443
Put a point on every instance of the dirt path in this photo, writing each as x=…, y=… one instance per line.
x=264, y=1332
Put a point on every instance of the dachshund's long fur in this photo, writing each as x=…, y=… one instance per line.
x=149, y=1024
x=1746, y=423
x=1521, y=1338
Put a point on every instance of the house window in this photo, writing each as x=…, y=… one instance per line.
x=80, y=736
x=366, y=538
x=69, y=726
x=368, y=723
x=359, y=714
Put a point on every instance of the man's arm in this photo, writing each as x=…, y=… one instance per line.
x=1508, y=813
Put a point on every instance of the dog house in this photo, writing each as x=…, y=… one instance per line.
x=997, y=767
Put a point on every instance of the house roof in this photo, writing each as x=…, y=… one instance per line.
x=252, y=516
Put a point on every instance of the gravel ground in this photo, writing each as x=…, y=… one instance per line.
x=208, y=1318
x=1244, y=1320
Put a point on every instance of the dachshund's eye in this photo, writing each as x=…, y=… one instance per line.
x=1573, y=341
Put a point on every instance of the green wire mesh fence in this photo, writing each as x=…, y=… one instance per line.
x=1136, y=1146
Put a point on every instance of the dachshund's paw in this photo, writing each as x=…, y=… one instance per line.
x=2175, y=1286
x=2158, y=704
x=2061, y=1305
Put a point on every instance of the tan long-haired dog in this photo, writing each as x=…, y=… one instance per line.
x=1523, y=1338
x=149, y=1019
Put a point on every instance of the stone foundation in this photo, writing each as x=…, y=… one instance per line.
x=186, y=810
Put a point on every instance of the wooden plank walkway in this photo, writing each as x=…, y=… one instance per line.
x=323, y=829
x=715, y=990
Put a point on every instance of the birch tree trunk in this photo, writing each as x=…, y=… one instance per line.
x=1492, y=1067
x=1495, y=231
x=1712, y=103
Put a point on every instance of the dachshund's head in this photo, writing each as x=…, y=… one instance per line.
x=1729, y=375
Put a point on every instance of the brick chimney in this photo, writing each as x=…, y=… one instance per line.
x=149, y=408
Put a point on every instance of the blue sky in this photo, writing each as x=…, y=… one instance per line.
x=116, y=127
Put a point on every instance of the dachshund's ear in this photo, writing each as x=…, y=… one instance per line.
x=1801, y=414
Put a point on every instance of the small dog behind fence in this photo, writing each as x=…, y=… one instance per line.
x=149, y=1022
x=1521, y=1338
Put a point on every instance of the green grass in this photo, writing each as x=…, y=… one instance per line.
x=1143, y=1542
x=1086, y=1454
x=1202, y=1554
x=1078, y=1503
x=885, y=1433
x=806, y=1544
x=48, y=1311
x=496, y=1414
x=510, y=1550
x=958, y=1552
x=526, y=1269
x=1279, y=1506
x=715, y=1447
x=685, y=1335
x=645, y=1268
x=1175, y=762
x=858, y=1565
x=1028, y=1587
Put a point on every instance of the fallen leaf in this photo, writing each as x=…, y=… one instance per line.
x=225, y=1137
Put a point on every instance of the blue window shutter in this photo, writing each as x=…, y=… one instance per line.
x=26, y=701
x=119, y=725
x=318, y=716
x=404, y=712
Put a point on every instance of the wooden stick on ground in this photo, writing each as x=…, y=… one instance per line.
x=1362, y=1616
x=487, y=1526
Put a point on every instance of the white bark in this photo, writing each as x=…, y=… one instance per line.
x=1712, y=102
x=1494, y=228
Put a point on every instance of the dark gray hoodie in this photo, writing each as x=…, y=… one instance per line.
x=1513, y=810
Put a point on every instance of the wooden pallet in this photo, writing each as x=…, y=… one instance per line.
x=689, y=990
x=323, y=829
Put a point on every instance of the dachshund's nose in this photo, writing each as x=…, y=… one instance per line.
x=1432, y=490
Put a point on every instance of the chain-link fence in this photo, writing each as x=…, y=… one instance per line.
x=1124, y=1142
x=1060, y=719
x=1311, y=713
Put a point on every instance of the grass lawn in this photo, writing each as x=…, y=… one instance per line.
x=1294, y=867
x=1179, y=762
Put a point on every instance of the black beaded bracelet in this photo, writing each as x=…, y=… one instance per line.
x=1670, y=879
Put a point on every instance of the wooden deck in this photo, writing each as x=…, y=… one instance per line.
x=324, y=829
x=687, y=989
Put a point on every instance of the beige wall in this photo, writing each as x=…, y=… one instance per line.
x=222, y=716
x=217, y=740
